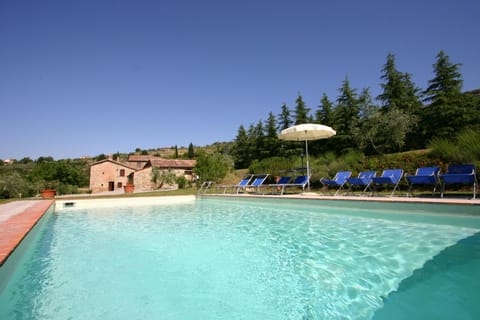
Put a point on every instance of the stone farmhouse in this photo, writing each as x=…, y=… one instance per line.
x=112, y=175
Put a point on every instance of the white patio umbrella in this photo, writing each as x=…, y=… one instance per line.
x=307, y=132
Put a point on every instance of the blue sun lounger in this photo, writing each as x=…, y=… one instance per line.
x=459, y=174
x=257, y=182
x=245, y=181
x=423, y=176
x=388, y=177
x=279, y=184
x=338, y=181
x=299, y=182
x=364, y=179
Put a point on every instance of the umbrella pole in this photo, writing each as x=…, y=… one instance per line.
x=308, y=166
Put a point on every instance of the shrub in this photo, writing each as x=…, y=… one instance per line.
x=182, y=182
x=66, y=189
x=329, y=164
x=469, y=145
x=213, y=167
x=275, y=166
x=13, y=185
x=464, y=148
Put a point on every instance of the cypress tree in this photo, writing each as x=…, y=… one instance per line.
x=191, y=151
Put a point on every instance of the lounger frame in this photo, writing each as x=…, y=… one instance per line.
x=459, y=174
x=423, y=176
x=388, y=177
x=339, y=180
x=364, y=179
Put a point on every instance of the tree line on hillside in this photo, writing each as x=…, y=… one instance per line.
x=172, y=153
x=26, y=177
x=403, y=117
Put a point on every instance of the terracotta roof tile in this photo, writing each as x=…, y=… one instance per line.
x=173, y=163
x=140, y=157
x=127, y=165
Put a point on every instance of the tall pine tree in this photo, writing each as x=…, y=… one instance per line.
x=240, y=149
x=447, y=82
x=324, y=114
x=346, y=117
x=346, y=111
x=272, y=142
x=445, y=114
x=284, y=118
x=401, y=97
x=399, y=92
x=259, y=142
x=301, y=111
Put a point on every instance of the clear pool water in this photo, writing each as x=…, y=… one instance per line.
x=233, y=259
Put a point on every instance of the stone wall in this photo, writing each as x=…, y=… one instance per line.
x=143, y=180
x=103, y=173
x=107, y=172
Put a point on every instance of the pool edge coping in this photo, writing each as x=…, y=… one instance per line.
x=16, y=228
x=313, y=196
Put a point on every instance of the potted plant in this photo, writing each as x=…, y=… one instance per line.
x=129, y=187
x=48, y=189
x=48, y=193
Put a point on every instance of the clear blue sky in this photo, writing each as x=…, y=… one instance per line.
x=84, y=77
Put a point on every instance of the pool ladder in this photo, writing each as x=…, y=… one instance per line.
x=204, y=187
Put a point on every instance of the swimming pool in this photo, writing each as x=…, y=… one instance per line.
x=219, y=258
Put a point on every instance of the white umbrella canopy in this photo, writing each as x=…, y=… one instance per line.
x=307, y=132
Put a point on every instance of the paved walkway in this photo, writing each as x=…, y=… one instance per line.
x=16, y=220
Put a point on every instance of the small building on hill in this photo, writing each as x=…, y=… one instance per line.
x=109, y=175
x=147, y=173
